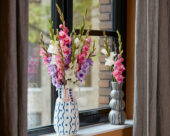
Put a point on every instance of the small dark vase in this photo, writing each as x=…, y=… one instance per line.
x=117, y=115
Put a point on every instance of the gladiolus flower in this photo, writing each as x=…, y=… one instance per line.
x=81, y=57
x=88, y=40
x=77, y=42
x=61, y=26
x=117, y=63
x=116, y=72
x=119, y=78
x=121, y=59
x=66, y=50
x=62, y=34
x=104, y=51
x=86, y=48
x=121, y=67
x=66, y=30
x=119, y=56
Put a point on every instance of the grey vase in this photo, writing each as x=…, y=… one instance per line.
x=117, y=115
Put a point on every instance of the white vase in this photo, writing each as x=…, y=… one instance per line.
x=66, y=115
x=117, y=115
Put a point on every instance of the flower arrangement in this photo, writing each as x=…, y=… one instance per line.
x=114, y=59
x=68, y=57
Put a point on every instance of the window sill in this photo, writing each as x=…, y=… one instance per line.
x=99, y=129
x=32, y=89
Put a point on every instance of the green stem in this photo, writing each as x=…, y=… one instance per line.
x=113, y=78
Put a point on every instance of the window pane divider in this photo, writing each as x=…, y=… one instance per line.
x=97, y=32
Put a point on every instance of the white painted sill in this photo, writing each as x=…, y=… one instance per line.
x=100, y=128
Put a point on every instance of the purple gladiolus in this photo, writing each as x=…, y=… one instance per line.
x=67, y=61
x=80, y=75
x=85, y=66
x=52, y=69
x=55, y=82
x=90, y=61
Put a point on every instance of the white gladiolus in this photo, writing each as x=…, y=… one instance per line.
x=104, y=51
x=77, y=52
x=52, y=47
x=53, y=61
x=77, y=42
x=110, y=60
x=70, y=74
x=75, y=66
x=113, y=54
x=56, y=43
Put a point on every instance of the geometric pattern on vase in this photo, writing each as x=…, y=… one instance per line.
x=66, y=115
x=117, y=115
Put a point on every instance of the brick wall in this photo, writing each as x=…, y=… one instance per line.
x=104, y=73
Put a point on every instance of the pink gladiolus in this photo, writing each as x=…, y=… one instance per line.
x=61, y=26
x=66, y=30
x=86, y=48
x=118, y=69
x=57, y=57
x=60, y=76
x=119, y=78
x=66, y=50
x=119, y=56
x=63, y=43
x=59, y=65
x=44, y=57
x=69, y=39
x=117, y=63
x=121, y=67
x=42, y=52
x=81, y=57
x=121, y=59
x=88, y=40
x=66, y=40
x=62, y=34
x=116, y=72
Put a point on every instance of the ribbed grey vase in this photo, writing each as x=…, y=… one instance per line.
x=117, y=115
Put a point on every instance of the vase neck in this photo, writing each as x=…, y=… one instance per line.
x=116, y=86
x=65, y=94
x=60, y=90
x=71, y=95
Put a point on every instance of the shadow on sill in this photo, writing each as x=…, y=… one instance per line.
x=105, y=129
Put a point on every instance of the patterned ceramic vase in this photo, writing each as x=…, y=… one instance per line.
x=117, y=115
x=66, y=116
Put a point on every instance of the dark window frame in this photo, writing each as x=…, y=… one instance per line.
x=92, y=116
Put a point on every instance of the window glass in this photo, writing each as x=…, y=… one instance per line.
x=39, y=84
x=88, y=94
x=93, y=14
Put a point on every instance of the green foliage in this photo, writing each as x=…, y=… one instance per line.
x=60, y=13
x=119, y=42
x=53, y=37
x=106, y=44
x=38, y=14
x=79, y=7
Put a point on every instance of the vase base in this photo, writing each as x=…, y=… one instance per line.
x=117, y=117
